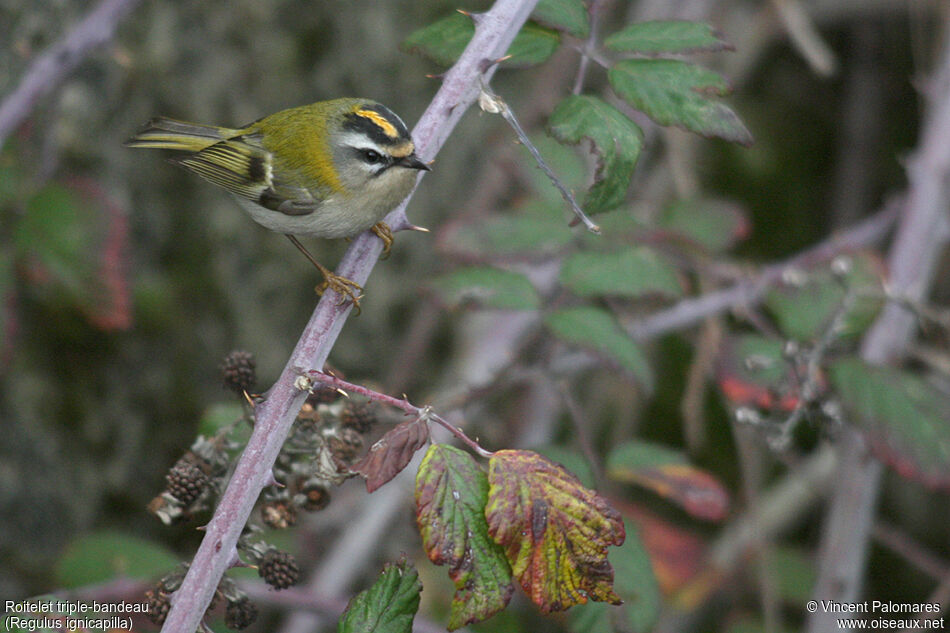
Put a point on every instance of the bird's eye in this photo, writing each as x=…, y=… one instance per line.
x=371, y=156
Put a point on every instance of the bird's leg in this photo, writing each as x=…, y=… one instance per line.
x=383, y=232
x=346, y=288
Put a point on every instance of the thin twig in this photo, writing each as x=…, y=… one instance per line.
x=403, y=404
x=50, y=68
x=493, y=104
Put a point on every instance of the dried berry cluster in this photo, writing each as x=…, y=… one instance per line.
x=327, y=437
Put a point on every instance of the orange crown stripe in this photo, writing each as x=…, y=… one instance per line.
x=388, y=128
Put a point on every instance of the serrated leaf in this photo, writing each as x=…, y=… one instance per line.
x=667, y=473
x=715, y=225
x=635, y=583
x=444, y=41
x=451, y=493
x=904, y=417
x=673, y=92
x=617, y=142
x=555, y=532
x=533, y=233
x=752, y=371
x=107, y=555
x=389, y=606
x=596, y=329
x=392, y=453
x=631, y=272
x=667, y=36
x=805, y=309
x=486, y=287
x=569, y=16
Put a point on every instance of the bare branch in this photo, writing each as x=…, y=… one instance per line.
x=50, y=68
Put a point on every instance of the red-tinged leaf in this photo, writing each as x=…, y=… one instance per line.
x=677, y=554
x=74, y=240
x=904, y=416
x=451, y=493
x=554, y=530
x=391, y=453
x=668, y=474
x=752, y=372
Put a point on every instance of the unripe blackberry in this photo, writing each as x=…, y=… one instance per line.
x=359, y=416
x=278, y=569
x=158, y=603
x=240, y=614
x=239, y=370
x=186, y=481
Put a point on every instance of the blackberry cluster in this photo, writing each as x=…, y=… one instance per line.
x=278, y=569
x=186, y=481
x=158, y=603
x=240, y=614
x=240, y=371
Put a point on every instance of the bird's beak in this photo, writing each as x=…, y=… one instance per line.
x=412, y=162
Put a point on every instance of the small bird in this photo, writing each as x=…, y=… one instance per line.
x=330, y=169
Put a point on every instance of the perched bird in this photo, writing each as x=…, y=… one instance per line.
x=329, y=169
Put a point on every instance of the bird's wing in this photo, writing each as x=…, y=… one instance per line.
x=242, y=166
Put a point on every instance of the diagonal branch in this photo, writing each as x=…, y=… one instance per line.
x=52, y=66
x=494, y=32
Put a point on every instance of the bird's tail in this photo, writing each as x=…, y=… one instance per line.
x=163, y=133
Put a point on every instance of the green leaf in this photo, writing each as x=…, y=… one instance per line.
x=904, y=416
x=442, y=41
x=73, y=239
x=534, y=232
x=107, y=555
x=669, y=36
x=571, y=459
x=617, y=142
x=451, y=493
x=715, y=225
x=569, y=16
x=533, y=45
x=487, y=287
x=805, y=308
x=632, y=272
x=555, y=532
x=672, y=92
x=596, y=329
x=389, y=606
x=793, y=572
x=219, y=416
x=667, y=473
x=445, y=40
